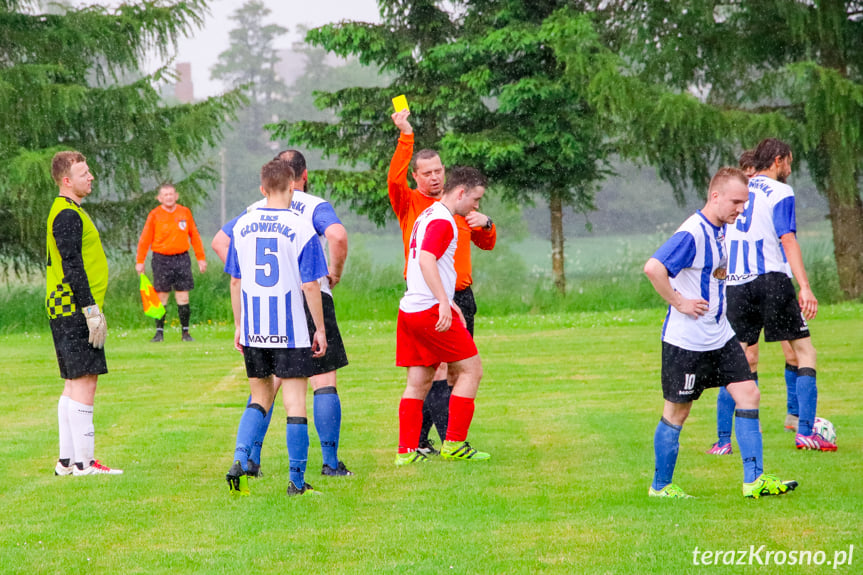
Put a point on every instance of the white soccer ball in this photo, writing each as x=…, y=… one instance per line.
x=824, y=429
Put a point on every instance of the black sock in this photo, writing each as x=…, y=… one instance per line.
x=184, y=312
x=160, y=323
x=427, y=424
x=437, y=401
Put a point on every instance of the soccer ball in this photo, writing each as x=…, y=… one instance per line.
x=824, y=429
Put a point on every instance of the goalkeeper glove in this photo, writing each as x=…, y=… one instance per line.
x=96, y=325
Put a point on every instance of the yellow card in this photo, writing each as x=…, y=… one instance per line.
x=400, y=103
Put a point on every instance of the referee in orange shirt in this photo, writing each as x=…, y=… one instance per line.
x=168, y=230
x=429, y=173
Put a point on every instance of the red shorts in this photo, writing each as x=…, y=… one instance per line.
x=419, y=344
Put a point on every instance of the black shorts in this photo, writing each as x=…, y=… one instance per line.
x=172, y=272
x=685, y=373
x=262, y=362
x=467, y=304
x=336, y=357
x=768, y=302
x=75, y=356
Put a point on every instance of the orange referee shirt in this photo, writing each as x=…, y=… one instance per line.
x=408, y=204
x=168, y=233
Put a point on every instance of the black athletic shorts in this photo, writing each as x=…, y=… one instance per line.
x=75, y=356
x=685, y=373
x=336, y=357
x=263, y=362
x=172, y=272
x=768, y=302
x=465, y=301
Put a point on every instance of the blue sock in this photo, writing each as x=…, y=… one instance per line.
x=807, y=398
x=666, y=444
x=791, y=389
x=249, y=423
x=724, y=416
x=328, y=422
x=297, y=436
x=258, y=443
x=749, y=441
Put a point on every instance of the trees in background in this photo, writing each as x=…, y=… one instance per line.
x=485, y=88
x=71, y=80
x=791, y=69
x=252, y=64
x=539, y=94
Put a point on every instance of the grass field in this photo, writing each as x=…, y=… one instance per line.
x=567, y=407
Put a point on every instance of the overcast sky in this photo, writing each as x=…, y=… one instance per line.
x=204, y=47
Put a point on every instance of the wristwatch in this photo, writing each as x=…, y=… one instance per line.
x=488, y=224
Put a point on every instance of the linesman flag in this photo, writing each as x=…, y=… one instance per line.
x=152, y=306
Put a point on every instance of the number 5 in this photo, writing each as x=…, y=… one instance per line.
x=265, y=257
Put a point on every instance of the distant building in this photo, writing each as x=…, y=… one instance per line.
x=184, y=90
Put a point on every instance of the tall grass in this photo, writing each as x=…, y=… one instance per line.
x=603, y=274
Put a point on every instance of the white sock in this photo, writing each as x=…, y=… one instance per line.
x=67, y=448
x=83, y=433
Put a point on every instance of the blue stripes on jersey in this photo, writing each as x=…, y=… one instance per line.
x=289, y=320
x=707, y=270
x=274, y=314
x=746, y=269
x=245, y=318
x=732, y=256
x=759, y=256
x=256, y=314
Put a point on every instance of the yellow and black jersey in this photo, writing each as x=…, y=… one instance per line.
x=76, y=264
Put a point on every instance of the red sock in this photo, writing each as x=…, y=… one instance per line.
x=410, y=422
x=460, y=416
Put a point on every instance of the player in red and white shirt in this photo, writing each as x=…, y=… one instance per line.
x=428, y=334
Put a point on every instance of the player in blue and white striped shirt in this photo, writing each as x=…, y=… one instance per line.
x=764, y=254
x=699, y=348
x=275, y=259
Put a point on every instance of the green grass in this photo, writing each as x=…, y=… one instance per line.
x=567, y=407
x=603, y=274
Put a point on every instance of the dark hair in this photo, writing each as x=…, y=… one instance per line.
x=164, y=185
x=295, y=159
x=725, y=174
x=276, y=176
x=425, y=154
x=464, y=177
x=746, y=159
x=767, y=152
x=63, y=162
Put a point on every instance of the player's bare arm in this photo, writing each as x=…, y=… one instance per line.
x=658, y=276
x=808, y=303
x=312, y=292
x=337, y=241
x=235, y=307
x=400, y=119
x=428, y=266
x=220, y=244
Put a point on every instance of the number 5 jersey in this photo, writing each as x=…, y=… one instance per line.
x=274, y=252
